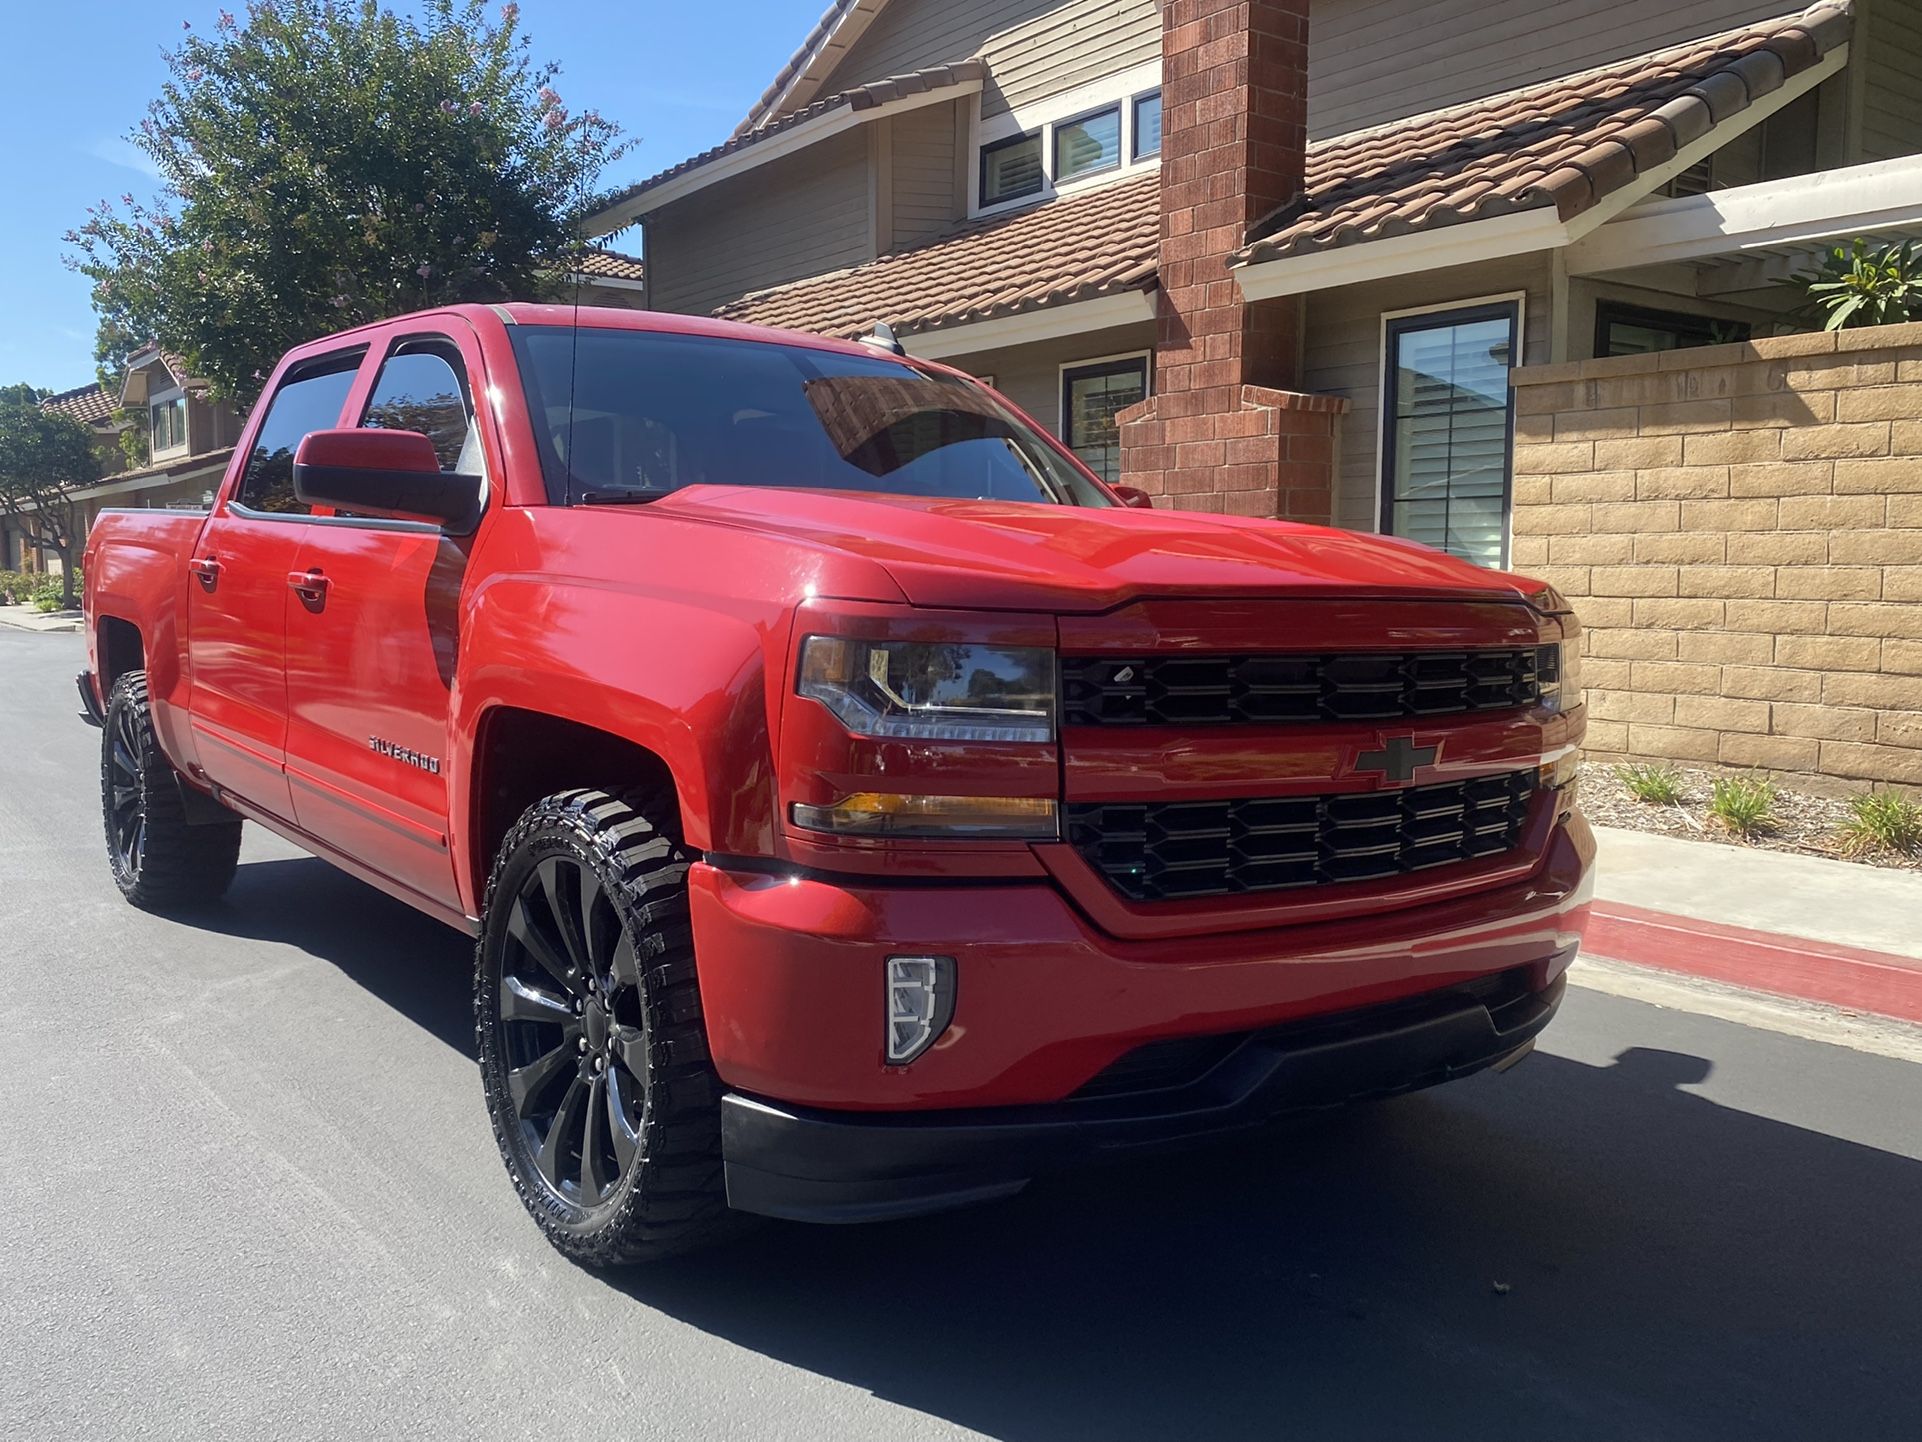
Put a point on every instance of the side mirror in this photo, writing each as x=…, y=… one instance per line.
x=392, y=474
x=1134, y=498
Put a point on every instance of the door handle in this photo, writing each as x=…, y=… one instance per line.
x=310, y=586
x=205, y=569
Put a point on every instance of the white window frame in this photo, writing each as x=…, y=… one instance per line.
x=1516, y=298
x=1040, y=118
x=168, y=397
x=1146, y=357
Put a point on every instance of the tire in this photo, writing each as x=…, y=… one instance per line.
x=159, y=861
x=593, y=1050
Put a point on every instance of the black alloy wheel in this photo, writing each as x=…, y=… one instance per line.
x=573, y=1034
x=593, y=1048
x=160, y=859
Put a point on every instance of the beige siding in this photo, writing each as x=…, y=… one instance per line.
x=809, y=214
x=1371, y=61
x=1034, y=48
x=925, y=190
x=1030, y=375
x=1892, y=59
x=1343, y=356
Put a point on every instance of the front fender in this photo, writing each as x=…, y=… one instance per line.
x=685, y=679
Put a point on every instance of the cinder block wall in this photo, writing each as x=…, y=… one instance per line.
x=1740, y=529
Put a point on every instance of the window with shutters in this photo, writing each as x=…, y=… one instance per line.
x=1448, y=429
x=1091, y=394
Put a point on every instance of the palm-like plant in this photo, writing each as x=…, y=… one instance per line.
x=1861, y=285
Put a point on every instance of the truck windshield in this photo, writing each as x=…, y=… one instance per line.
x=622, y=414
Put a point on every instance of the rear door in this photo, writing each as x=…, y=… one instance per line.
x=238, y=594
x=373, y=638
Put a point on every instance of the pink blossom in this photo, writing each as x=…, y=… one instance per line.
x=448, y=107
x=510, y=13
x=550, y=96
x=339, y=302
x=423, y=270
x=195, y=73
x=226, y=19
x=475, y=108
x=419, y=208
x=126, y=197
x=556, y=118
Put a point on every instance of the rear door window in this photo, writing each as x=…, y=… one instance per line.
x=423, y=387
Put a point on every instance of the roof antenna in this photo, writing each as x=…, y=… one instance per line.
x=882, y=338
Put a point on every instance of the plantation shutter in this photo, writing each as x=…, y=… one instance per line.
x=1447, y=447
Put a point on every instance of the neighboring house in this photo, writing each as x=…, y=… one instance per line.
x=190, y=437
x=1318, y=236
x=606, y=277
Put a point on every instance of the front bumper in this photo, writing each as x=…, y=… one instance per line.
x=815, y=1166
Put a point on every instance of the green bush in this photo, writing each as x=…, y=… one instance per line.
x=1744, y=805
x=1657, y=784
x=1882, y=822
x=15, y=588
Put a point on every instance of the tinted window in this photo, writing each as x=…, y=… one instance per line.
x=310, y=401
x=423, y=387
x=1011, y=168
x=654, y=413
x=1084, y=146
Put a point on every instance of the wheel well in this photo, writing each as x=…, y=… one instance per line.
x=120, y=651
x=521, y=756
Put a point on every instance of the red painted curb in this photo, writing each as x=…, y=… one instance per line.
x=1844, y=976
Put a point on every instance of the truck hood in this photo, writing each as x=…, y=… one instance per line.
x=974, y=555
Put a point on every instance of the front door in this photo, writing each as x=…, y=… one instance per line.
x=238, y=595
x=372, y=642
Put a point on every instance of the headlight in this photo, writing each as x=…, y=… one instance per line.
x=932, y=691
x=1559, y=668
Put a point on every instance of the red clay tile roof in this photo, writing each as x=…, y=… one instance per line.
x=1075, y=248
x=859, y=97
x=1564, y=143
x=89, y=405
x=610, y=265
x=805, y=58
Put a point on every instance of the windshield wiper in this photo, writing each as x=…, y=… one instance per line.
x=618, y=498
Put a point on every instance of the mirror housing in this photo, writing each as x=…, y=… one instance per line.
x=391, y=474
x=1134, y=498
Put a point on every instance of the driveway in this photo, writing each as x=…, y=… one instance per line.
x=247, y=1189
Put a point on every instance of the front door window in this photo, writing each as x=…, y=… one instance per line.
x=1448, y=423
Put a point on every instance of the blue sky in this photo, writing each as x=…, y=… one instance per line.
x=677, y=77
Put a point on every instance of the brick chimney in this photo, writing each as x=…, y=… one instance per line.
x=1223, y=430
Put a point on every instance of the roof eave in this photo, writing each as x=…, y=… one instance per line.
x=649, y=197
x=829, y=41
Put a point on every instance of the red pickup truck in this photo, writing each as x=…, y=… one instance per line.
x=860, y=807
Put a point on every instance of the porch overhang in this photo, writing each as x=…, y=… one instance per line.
x=1758, y=232
x=1605, y=183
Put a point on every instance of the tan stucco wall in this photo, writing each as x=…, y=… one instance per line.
x=1740, y=528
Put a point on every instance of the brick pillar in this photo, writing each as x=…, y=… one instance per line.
x=1223, y=431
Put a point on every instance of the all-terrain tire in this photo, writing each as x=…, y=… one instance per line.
x=669, y=1196
x=160, y=862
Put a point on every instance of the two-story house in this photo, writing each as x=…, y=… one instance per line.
x=1277, y=257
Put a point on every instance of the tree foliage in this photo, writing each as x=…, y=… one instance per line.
x=44, y=457
x=1862, y=285
x=328, y=163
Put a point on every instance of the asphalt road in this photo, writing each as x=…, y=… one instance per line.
x=247, y=1189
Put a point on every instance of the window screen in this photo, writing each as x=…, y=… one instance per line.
x=1447, y=421
x=310, y=400
x=1090, y=397
x=1011, y=168
x=1086, y=145
x=423, y=387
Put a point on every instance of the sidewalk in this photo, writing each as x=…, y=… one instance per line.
x=1834, y=932
x=25, y=618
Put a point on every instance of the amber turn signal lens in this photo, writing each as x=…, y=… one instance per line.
x=886, y=813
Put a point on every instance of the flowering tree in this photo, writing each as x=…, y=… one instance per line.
x=327, y=163
x=44, y=457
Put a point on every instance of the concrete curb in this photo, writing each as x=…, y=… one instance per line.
x=20, y=618
x=1849, y=977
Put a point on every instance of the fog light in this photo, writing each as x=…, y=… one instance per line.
x=920, y=1004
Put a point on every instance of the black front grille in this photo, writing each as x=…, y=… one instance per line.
x=1359, y=686
x=1171, y=850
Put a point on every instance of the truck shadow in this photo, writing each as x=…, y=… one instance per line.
x=1667, y=1266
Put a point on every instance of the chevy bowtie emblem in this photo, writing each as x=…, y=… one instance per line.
x=1398, y=759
